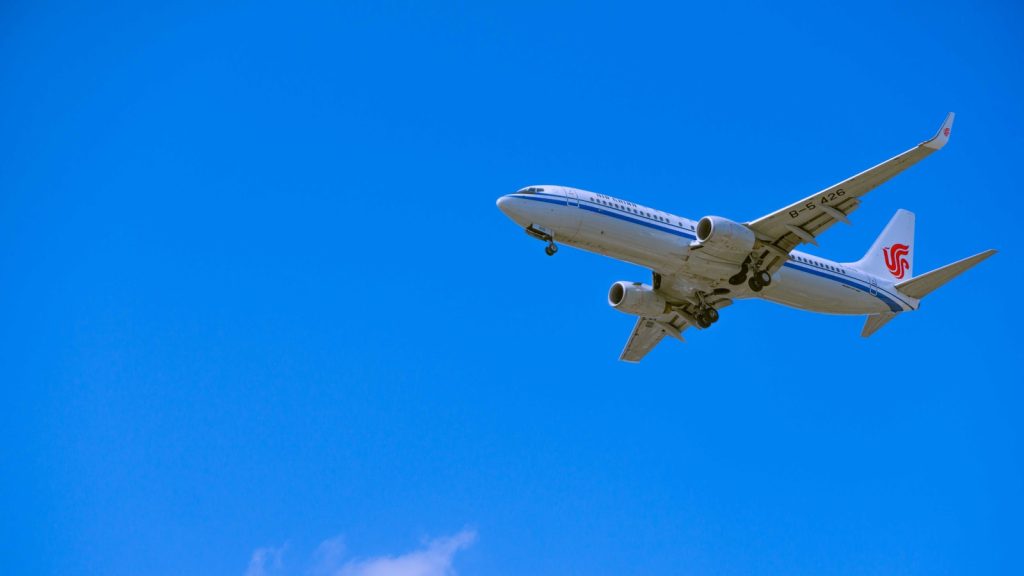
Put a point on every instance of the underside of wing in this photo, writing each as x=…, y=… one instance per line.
x=647, y=333
x=802, y=222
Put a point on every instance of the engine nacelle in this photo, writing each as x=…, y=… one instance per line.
x=725, y=237
x=636, y=299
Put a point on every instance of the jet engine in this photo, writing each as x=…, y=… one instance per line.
x=636, y=299
x=724, y=237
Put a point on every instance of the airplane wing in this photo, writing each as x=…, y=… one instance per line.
x=647, y=333
x=802, y=222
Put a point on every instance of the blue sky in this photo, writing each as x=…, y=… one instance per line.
x=262, y=317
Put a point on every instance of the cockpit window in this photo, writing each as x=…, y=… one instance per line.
x=530, y=190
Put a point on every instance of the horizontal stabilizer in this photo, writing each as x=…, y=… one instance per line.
x=876, y=321
x=924, y=284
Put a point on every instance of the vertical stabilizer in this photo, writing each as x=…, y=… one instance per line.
x=892, y=254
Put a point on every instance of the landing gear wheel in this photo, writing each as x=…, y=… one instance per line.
x=702, y=320
x=550, y=249
x=711, y=314
x=766, y=278
x=755, y=283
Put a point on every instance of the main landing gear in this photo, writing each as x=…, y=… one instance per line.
x=706, y=314
x=707, y=317
x=758, y=278
x=550, y=249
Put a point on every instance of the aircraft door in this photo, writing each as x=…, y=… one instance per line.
x=569, y=228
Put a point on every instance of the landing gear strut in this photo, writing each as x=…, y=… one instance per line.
x=545, y=235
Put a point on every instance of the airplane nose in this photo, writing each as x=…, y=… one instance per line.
x=513, y=208
x=504, y=204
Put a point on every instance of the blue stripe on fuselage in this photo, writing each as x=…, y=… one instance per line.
x=853, y=282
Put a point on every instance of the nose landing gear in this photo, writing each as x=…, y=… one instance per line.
x=545, y=235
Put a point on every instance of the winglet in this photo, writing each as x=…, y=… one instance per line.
x=940, y=139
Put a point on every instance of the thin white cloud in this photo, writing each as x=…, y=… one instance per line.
x=265, y=561
x=434, y=558
x=328, y=556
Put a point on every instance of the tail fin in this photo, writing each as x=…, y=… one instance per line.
x=892, y=253
x=924, y=284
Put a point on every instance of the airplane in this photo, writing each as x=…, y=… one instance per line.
x=699, y=267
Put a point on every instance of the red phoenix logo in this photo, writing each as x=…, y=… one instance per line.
x=894, y=259
x=946, y=132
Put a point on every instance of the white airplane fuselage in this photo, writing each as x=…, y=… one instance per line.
x=700, y=267
x=663, y=243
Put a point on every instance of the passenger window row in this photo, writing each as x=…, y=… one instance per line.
x=817, y=264
x=638, y=212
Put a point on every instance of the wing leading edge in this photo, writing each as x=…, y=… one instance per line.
x=803, y=221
